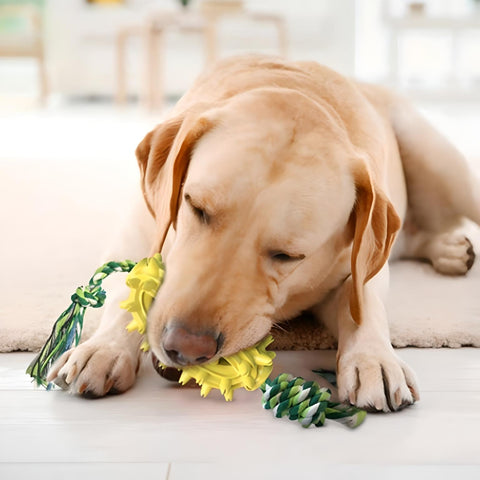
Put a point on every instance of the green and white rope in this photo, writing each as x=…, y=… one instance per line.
x=306, y=402
x=67, y=329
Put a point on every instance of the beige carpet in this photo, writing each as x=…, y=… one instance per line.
x=56, y=222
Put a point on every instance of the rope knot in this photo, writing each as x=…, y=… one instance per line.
x=68, y=326
x=89, y=296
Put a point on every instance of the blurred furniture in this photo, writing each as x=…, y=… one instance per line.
x=80, y=45
x=214, y=11
x=97, y=50
x=151, y=32
x=21, y=35
x=205, y=21
x=416, y=19
x=105, y=1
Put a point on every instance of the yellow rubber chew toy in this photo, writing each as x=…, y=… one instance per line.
x=248, y=369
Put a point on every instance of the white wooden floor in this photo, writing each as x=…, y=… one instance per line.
x=165, y=432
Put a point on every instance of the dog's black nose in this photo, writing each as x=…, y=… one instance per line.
x=185, y=347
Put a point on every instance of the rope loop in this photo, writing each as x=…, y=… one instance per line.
x=89, y=296
x=67, y=328
x=93, y=295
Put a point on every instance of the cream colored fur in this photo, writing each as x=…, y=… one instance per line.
x=287, y=158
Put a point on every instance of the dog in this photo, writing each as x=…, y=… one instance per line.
x=273, y=188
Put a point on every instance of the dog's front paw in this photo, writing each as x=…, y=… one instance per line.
x=376, y=382
x=452, y=254
x=94, y=369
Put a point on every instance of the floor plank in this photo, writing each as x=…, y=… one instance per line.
x=276, y=471
x=81, y=471
x=439, y=431
x=159, y=422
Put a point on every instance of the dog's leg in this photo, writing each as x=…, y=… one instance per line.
x=450, y=253
x=370, y=374
x=442, y=191
x=109, y=360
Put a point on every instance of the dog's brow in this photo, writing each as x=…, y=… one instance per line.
x=286, y=244
x=206, y=199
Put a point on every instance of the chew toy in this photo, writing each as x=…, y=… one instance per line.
x=144, y=281
x=306, y=402
x=67, y=329
x=249, y=368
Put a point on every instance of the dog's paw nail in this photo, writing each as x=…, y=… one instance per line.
x=82, y=388
x=108, y=386
x=71, y=374
x=414, y=392
x=398, y=398
x=60, y=382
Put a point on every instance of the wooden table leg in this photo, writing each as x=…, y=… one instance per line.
x=156, y=62
x=282, y=36
x=42, y=73
x=211, y=48
x=120, y=46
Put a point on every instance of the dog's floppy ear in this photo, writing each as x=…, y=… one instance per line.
x=375, y=225
x=152, y=154
x=163, y=157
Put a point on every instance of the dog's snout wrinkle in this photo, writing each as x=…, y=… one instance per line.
x=186, y=347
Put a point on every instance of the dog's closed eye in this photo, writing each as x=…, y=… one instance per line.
x=284, y=257
x=198, y=211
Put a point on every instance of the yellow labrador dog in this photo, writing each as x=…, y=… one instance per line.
x=274, y=188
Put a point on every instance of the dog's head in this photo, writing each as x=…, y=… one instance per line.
x=271, y=207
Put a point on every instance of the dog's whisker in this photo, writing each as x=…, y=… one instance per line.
x=280, y=327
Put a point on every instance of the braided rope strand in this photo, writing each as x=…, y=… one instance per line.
x=306, y=402
x=68, y=327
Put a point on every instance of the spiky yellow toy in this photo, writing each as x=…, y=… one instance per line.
x=144, y=281
x=248, y=369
